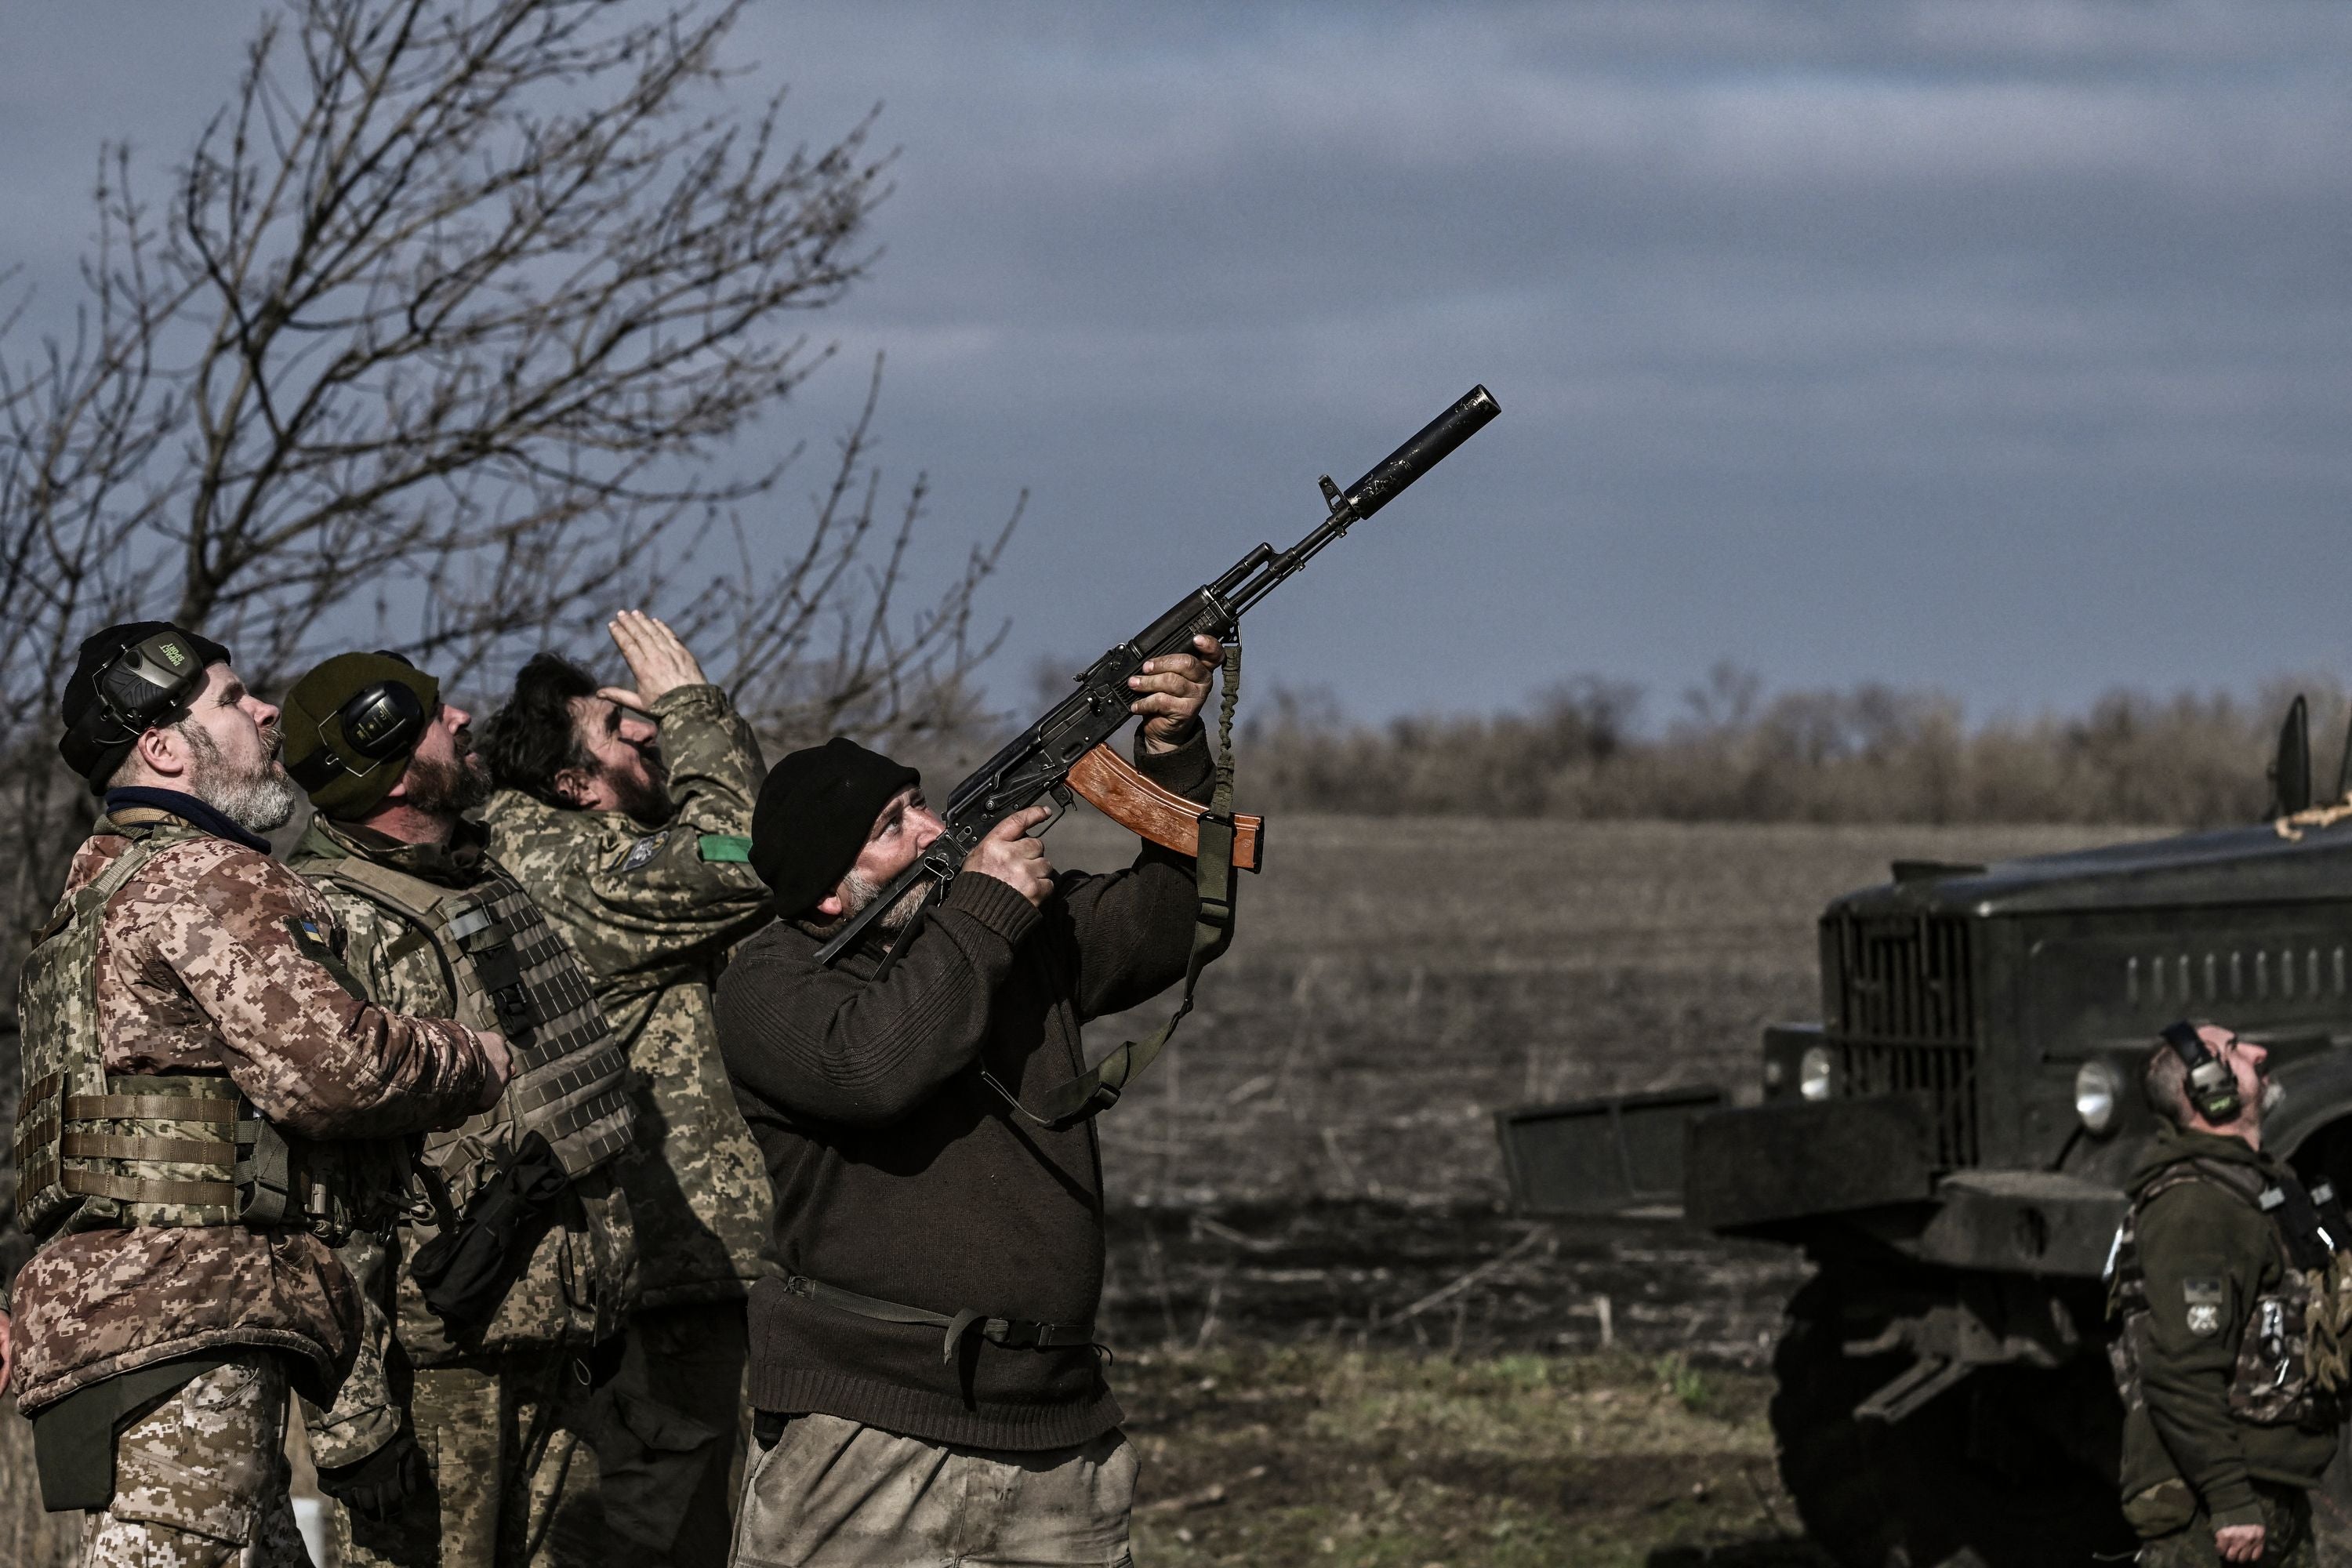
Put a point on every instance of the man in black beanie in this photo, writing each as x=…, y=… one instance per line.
x=923, y=1359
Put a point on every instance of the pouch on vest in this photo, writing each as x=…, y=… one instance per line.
x=465, y=1271
x=97, y=1150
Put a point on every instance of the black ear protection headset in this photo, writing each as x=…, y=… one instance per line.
x=2212, y=1087
x=381, y=720
x=141, y=686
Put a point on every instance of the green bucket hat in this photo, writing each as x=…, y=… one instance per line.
x=352, y=724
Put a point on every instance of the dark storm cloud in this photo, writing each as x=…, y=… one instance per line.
x=1959, y=342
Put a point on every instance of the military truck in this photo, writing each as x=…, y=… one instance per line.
x=1948, y=1145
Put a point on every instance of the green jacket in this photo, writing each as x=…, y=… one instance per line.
x=653, y=913
x=2206, y=1254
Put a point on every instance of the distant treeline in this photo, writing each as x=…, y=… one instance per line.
x=1734, y=751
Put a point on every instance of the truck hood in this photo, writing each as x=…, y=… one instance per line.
x=2236, y=865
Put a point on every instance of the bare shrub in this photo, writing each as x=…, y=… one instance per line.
x=1870, y=752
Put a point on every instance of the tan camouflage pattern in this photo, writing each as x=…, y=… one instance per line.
x=581, y=1282
x=652, y=920
x=831, y=1493
x=200, y=970
x=515, y=1479
x=569, y=1077
x=201, y=1477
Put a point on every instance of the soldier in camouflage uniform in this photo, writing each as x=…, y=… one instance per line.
x=188, y=983
x=2221, y=1273
x=626, y=812
x=475, y=1440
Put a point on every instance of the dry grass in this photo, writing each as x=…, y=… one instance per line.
x=1306, y=1455
x=1395, y=981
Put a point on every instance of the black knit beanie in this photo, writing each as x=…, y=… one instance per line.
x=816, y=811
x=94, y=751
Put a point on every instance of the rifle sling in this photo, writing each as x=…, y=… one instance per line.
x=1098, y=1088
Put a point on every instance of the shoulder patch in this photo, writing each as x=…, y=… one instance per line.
x=2203, y=1294
x=643, y=850
x=731, y=847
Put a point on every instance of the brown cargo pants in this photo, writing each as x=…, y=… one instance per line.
x=829, y=1493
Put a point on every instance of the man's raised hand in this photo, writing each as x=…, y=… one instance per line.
x=1012, y=858
x=1171, y=690
x=658, y=662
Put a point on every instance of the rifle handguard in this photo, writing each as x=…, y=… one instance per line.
x=1114, y=787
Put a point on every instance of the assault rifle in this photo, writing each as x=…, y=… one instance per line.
x=1063, y=753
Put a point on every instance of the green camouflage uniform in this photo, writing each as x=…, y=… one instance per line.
x=653, y=912
x=507, y=1425
x=2222, y=1424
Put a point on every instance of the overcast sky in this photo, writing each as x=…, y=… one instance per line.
x=1999, y=347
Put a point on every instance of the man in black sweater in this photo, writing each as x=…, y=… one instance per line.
x=923, y=1360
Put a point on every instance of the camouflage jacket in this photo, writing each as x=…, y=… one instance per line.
x=580, y=1282
x=2208, y=1353
x=201, y=970
x=652, y=912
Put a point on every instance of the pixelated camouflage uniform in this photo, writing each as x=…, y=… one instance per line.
x=652, y=912
x=214, y=959
x=502, y=1418
x=2221, y=1423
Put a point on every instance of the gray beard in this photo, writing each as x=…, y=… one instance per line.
x=259, y=801
x=857, y=894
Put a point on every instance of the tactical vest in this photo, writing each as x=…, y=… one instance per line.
x=101, y=1151
x=2289, y=1370
x=511, y=973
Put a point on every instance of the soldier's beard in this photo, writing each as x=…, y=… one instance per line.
x=857, y=895
x=258, y=800
x=448, y=786
x=646, y=799
x=860, y=893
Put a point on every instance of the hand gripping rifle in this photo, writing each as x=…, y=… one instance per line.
x=1063, y=754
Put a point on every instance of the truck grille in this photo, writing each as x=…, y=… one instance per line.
x=1903, y=1000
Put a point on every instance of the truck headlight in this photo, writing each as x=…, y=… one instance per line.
x=1814, y=1073
x=2098, y=1089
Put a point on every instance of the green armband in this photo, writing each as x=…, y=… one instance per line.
x=733, y=847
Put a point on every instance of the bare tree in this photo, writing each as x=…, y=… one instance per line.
x=446, y=332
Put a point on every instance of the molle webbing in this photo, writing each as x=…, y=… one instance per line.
x=97, y=1150
x=513, y=974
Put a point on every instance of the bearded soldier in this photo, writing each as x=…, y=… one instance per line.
x=626, y=812
x=2225, y=1280
x=508, y=1288
x=209, y=1102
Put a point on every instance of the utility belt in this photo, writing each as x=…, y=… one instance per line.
x=191, y=1150
x=1012, y=1333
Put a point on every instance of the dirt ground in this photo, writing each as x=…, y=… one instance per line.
x=1394, y=983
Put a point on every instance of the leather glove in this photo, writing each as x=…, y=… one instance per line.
x=378, y=1484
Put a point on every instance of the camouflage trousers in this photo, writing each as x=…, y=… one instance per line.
x=503, y=1445
x=825, y=1492
x=2286, y=1527
x=531, y=1464
x=201, y=1477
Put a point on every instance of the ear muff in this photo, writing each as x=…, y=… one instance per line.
x=379, y=722
x=382, y=719
x=144, y=684
x=2212, y=1087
